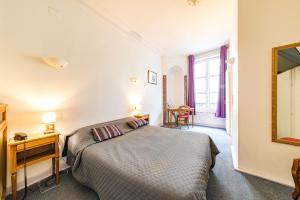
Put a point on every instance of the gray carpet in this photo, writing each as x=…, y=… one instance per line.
x=225, y=183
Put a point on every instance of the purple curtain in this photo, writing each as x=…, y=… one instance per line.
x=221, y=106
x=191, y=88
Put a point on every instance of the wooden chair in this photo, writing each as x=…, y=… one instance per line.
x=183, y=117
x=173, y=114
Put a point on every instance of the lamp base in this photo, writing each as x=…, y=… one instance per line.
x=50, y=128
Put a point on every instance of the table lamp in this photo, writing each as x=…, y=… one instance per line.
x=49, y=118
x=136, y=112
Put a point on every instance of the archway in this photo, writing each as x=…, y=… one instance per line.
x=174, y=89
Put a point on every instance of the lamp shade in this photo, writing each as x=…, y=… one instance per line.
x=49, y=117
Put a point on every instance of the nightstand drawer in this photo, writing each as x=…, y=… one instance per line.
x=35, y=152
x=36, y=143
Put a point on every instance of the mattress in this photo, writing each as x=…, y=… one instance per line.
x=149, y=163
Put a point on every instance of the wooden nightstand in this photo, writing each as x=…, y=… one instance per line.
x=39, y=147
x=145, y=117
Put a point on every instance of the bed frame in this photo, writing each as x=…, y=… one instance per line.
x=3, y=150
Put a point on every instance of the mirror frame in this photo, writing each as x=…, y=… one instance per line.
x=274, y=93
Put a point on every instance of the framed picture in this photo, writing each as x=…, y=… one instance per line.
x=152, y=77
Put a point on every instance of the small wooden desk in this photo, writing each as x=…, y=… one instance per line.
x=39, y=147
x=173, y=110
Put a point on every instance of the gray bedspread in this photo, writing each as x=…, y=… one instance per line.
x=150, y=163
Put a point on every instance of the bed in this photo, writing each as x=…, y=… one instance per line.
x=148, y=163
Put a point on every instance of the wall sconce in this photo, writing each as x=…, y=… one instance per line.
x=193, y=2
x=55, y=62
x=49, y=118
x=230, y=61
x=133, y=79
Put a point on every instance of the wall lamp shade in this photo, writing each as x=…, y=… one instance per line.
x=193, y=2
x=49, y=118
x=55, y=62
x=133, y=79
x=230, y=61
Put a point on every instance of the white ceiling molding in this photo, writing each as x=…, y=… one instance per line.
x=171, y=27
x=121, y=26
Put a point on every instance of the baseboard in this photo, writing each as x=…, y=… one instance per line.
x=210, y=126
x=38, y=178
x=264, y=177
x=234, y=159
x=237, y=168
x=219, y=126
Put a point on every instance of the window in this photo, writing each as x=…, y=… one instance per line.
x=207, y=83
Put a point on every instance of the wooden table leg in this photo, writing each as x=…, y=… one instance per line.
x=169, y=119
x=57, y=160
x=14, y=185
x=57, y=170
x=193, y=116
x=53, y=166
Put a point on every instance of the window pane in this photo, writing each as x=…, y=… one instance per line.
x=200, y=69
x=213, y=98
x=214, y=66
x=200, y=85
x=214, y=84
x=200, y=106
x=200, y=98
x=213, y=106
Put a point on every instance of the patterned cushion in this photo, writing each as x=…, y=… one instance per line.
x=106, y=132
x=183, y=116
x=137, y=123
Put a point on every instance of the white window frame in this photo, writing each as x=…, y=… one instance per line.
x=207, y=77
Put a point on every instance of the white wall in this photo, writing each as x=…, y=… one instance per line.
x=209, y=119
x=94, y=88
x=288, y=106
x=296, y=122
x=175, y=86
x=233, y=53
x=175, y=67
x=284, y=104
x=262, y=24
x=171, y=61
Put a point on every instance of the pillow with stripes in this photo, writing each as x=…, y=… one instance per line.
x=136, y=123
x=106, y=132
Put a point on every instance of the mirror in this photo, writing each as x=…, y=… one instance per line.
x=175, y=86
x=286, y=94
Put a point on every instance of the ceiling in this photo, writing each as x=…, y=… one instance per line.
x=171, y=26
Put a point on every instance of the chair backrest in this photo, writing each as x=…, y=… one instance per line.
x=185, y=110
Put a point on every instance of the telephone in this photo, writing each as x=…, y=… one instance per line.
x=20, y=136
